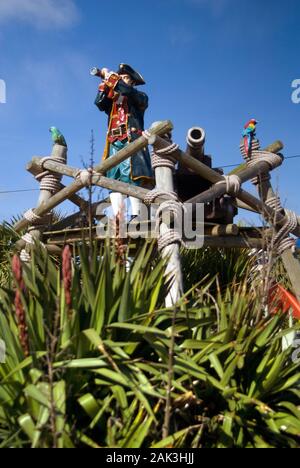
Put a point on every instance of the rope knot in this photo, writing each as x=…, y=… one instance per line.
x=173, y=234
x=233, y=184
x=85, y=176
x=282, y=240
x=163, y=157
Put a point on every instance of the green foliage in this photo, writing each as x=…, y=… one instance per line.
x=97, y=374
x=8, y=238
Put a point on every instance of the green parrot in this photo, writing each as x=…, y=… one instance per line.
x=57, y=137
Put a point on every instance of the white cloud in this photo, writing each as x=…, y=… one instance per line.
x=40, y=13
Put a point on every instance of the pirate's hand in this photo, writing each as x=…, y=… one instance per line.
x=105, y=73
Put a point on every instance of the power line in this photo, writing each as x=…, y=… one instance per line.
x=238, y=164
x=221, y=167
x=19, y=191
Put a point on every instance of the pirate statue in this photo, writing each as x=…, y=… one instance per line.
x=125, y=107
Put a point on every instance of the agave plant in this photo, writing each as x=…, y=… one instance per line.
x=98, y=371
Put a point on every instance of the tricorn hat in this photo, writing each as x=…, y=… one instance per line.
x=125, y=69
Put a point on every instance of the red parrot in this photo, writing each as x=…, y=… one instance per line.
x=249, y=133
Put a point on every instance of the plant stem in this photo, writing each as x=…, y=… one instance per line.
x=167, y=420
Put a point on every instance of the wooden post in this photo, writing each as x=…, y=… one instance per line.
x=60, y=152
x=165, y=182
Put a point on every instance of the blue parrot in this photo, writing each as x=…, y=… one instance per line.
x=249, y=133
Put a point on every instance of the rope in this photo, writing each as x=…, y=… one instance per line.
x=85, y=176
x=282, y=239
x=163, y=157
x=274, y=203
x=172, y=235
x=168, y=150
x=57, y=159
x=254, y=147
x=272, y=159
x=172, y=206
x=169, y=238
x=233, y=184
x=28, y=238
x=51, y=183
x=25, y=256
x=152, y=196
x=49, y=180
x=31, y=216
x=255, y=155
x=146, y=134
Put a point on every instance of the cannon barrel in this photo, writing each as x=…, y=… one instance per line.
x=195, y=142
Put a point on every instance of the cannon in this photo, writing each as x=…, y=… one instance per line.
x=188, y=184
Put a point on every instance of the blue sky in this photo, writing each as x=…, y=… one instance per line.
x=212, y=63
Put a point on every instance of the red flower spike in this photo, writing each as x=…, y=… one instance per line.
x=20, y=312
x=67, y=274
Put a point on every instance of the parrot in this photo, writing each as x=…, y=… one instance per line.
x=249, y=133
x=57, y=137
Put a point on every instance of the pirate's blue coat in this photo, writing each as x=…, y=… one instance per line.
x=136, y=170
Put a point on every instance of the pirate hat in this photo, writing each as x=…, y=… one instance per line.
x=125, y=69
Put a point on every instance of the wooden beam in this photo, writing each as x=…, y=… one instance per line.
x=234, y=242
x=226, y=241
x=165, y=182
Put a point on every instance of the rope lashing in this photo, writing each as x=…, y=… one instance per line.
x=233, y=184
x=274, y=203
x=85, y=176
x=30, y=241
x=49, y=180
x=164, y=158
x=255, y=145
x=272, y=159
x=25, y=256
x=168, y=238
x=153, y=195
x=172, y=207
x=31, y=216
x=28, y=238
x=172, y=235
x=146, y=134
x=282, y=240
